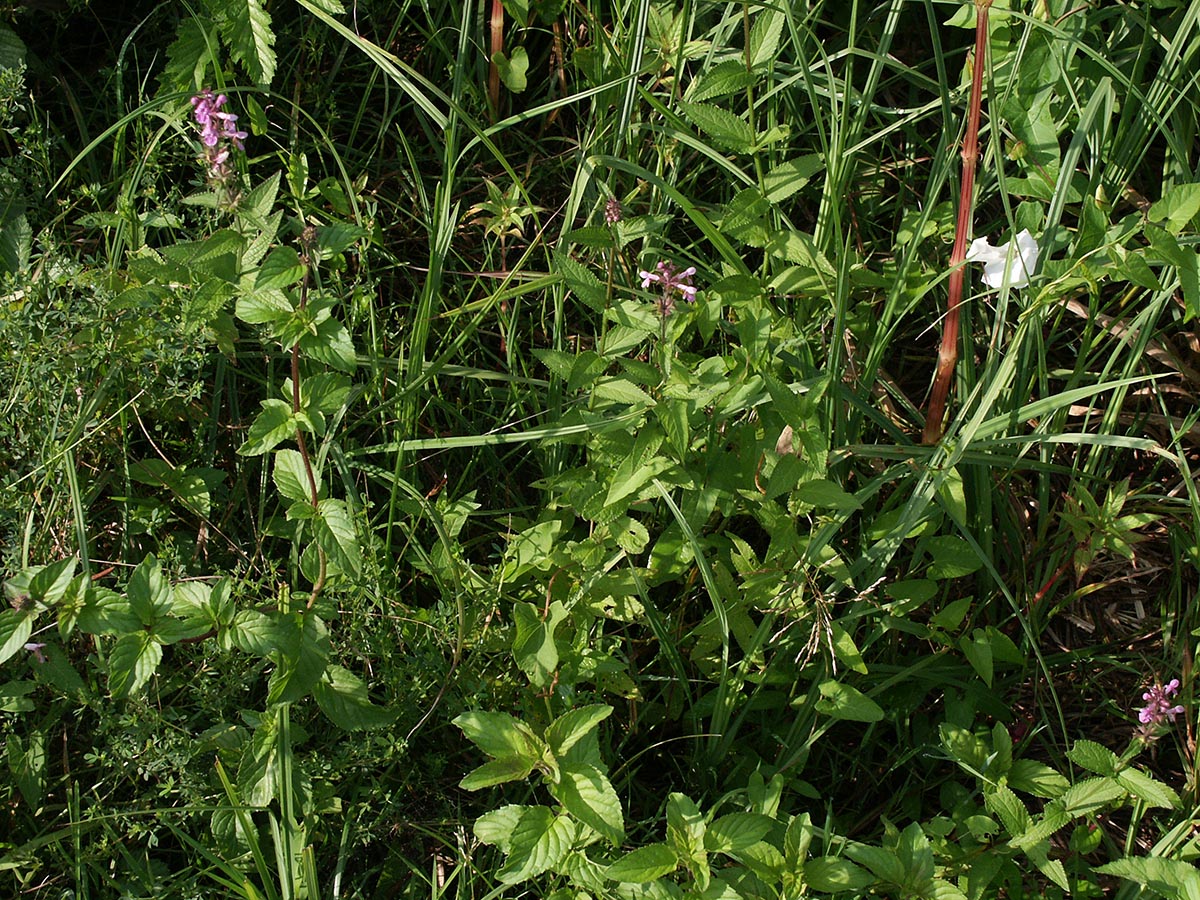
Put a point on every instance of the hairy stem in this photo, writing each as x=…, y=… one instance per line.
x=307, y=239
x=948, y=351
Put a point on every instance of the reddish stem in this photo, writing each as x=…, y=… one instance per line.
x=948, y=351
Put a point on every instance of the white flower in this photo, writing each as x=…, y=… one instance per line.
x=1003, y=264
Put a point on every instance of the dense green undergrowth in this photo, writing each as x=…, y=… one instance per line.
x=475, y=450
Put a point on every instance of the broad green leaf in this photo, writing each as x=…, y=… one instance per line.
x=496, y=827
x=497, y=771
x=1178, y=206
x=735, y=832
x=16, y=626
x=586, y=793
x=272, y=425
x=331, y=345
x=259, y=774
x=764, y=36
x=952, y=557
x=685, y=831
x=1093, y=757
x=916, y=855
x=291, y=478
x=247, y=30
x=1147, y=789
x=1174, y=879
x=172, y=631
x=107, y=612
x=14, y=696
x=571, y=727
x=841, y=701
x=12, y=49
x=978, y=651
x=27, y=763
x=335, y=237
x=643, y=865
x=788, y=177
x=830, y=875
x=967, y=749
x=132, y=662
x=49, y=583
x=1036, y=778
x=282, y=268
x=539, y=842
x=148, y=592
x=257, y=633
x=533, y=646
x=825, y=494
x=500, y=736
x=342, y=696
x=723, y=127
x=334, y=532
x=271, y=307
x=512, y=68
x=302, y=660
x=885, y=864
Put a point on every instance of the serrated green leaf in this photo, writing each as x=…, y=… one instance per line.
x=342, y=696
x=643, y=865
x=500, y=736
x=723, y=127
x=273, y=425
x=259, y=773
x=571, y=727
x=735, y=832
x=334, y=531
x=788, y=177
x=830, y=875
x=1174, y=879
x=497, y=771
x=1004, y=805
x=132, y=662
x=247, y=29
x=764, y=36
x=622, y=390
x=728, y=77
x=189, y=55
x=539, y=842
x=15, y=628
x=282, y=268
x=586, y=793
x=497, y=826
x=1093, y=757
x=1036, y=778
x=1147, y=789
x=291, y=478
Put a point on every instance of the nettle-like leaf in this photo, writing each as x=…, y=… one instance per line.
x=587, y=794
x=533, y=647
x=644, y=865
x=273, y=425
x=539, y=842
x=333, y=529
x=342, y=696
x=132, y=661
x=572, y=727
x=302, y=660
x=189, y=55
x=246, y=27
x=291, y=477
x=501, y=736
x=15, y=628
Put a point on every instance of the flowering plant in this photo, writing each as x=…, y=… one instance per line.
x=1004, y=265
x=218, y=133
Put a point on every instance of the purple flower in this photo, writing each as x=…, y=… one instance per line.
x=612, y=211
x=670, y=280
x=218, y=133
x=36, y=650
x=1158, y=709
